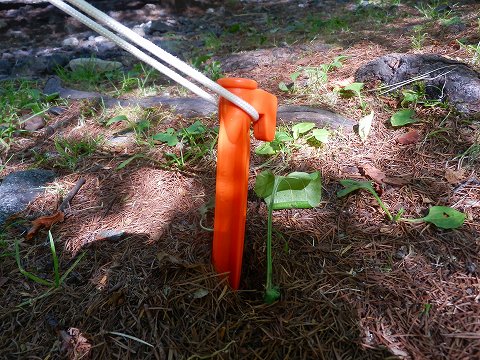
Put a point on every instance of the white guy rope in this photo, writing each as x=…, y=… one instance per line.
x=152, y=48
x=133, y=50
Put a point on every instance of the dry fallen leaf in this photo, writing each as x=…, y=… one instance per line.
x=398, y=181
x=44, y=222
x=373, y=173
x=454, y=176
x=412, y=137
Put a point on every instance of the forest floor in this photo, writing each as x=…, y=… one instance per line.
x=354, y=284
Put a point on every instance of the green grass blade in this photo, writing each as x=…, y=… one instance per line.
x=70, y=269
x=26, y=273
x=55, y=259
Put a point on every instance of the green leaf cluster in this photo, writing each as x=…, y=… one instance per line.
x=297, y=190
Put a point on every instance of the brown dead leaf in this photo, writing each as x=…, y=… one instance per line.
x=391, y=102
x=454, y=176
x=396, y=181
x=75, y=344
x=3, y=280
x=344, y=82
x=412, y=137
x=373, y=173
x=44, y=222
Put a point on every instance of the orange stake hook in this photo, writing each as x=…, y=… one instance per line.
x=233, y=159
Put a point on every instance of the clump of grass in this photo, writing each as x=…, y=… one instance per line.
x=72, y=151
x=17, y=97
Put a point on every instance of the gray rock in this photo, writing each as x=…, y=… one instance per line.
x=321, y=117
x=251, y=59
x=70, y=42
x=3, y=24
x=33, y=124
x=5, y=67
x=18, y=189
x=29, y=66
x=56, y=110
x=159, y=26
x=53, y=61
x=449, y=80
x=94, y=63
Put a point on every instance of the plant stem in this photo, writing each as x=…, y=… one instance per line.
x=382, y=205
x=269, y=283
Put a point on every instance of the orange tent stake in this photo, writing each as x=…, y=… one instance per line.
x=232, y=171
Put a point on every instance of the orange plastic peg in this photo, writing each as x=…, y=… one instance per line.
x=233, y=160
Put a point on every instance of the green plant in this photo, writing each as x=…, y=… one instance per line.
x=473, y=50
x=435, y=10
x=354, y=89
x=57, y=280
x=211, y=68
x=297, y=190
x=193, y=142
x=279, y=144
x=72, y=151
x=17, y=96
x=309, y=131
x=403, y=117
x=352, y=185
x=443, y=217
x=418, y=38
x=315, y=79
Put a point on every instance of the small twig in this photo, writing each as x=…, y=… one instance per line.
x=71, y=194
x=130, y=337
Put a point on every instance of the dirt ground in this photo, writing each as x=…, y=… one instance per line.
x=354, y=285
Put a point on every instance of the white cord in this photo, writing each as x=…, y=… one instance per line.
x=152, y=48
x=133, y=50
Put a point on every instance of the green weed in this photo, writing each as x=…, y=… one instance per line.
x=57, y=279
x=435, y=10
x=72, y=151
x=18, y=97
x=191, y=143
x=312, y=81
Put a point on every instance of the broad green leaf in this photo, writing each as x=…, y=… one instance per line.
x=298, y=190
x=302, y=128
x=282, y=86
x=264, y=184
x=337, y=62
x=283, y=136
x=352, y=185
x=409, y=96
x=116, y=119
x=322, y=135
x=196, y=128
x=444, y=217
x=295, y=75
x=265, y=149
x=403, y=117
x=364, y=126
x=351, y=89
x=168, y=136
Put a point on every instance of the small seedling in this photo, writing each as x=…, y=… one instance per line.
x=352, y=185
x=297, y=190
x=443, y=217
x=309, y=132
x=71, y=151
x=279, y=144
x=314, y=79
x=354, y=89
x=403, y=117
x=197, y=137
x=57, y=280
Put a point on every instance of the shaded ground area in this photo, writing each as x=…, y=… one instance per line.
x=354, y=285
